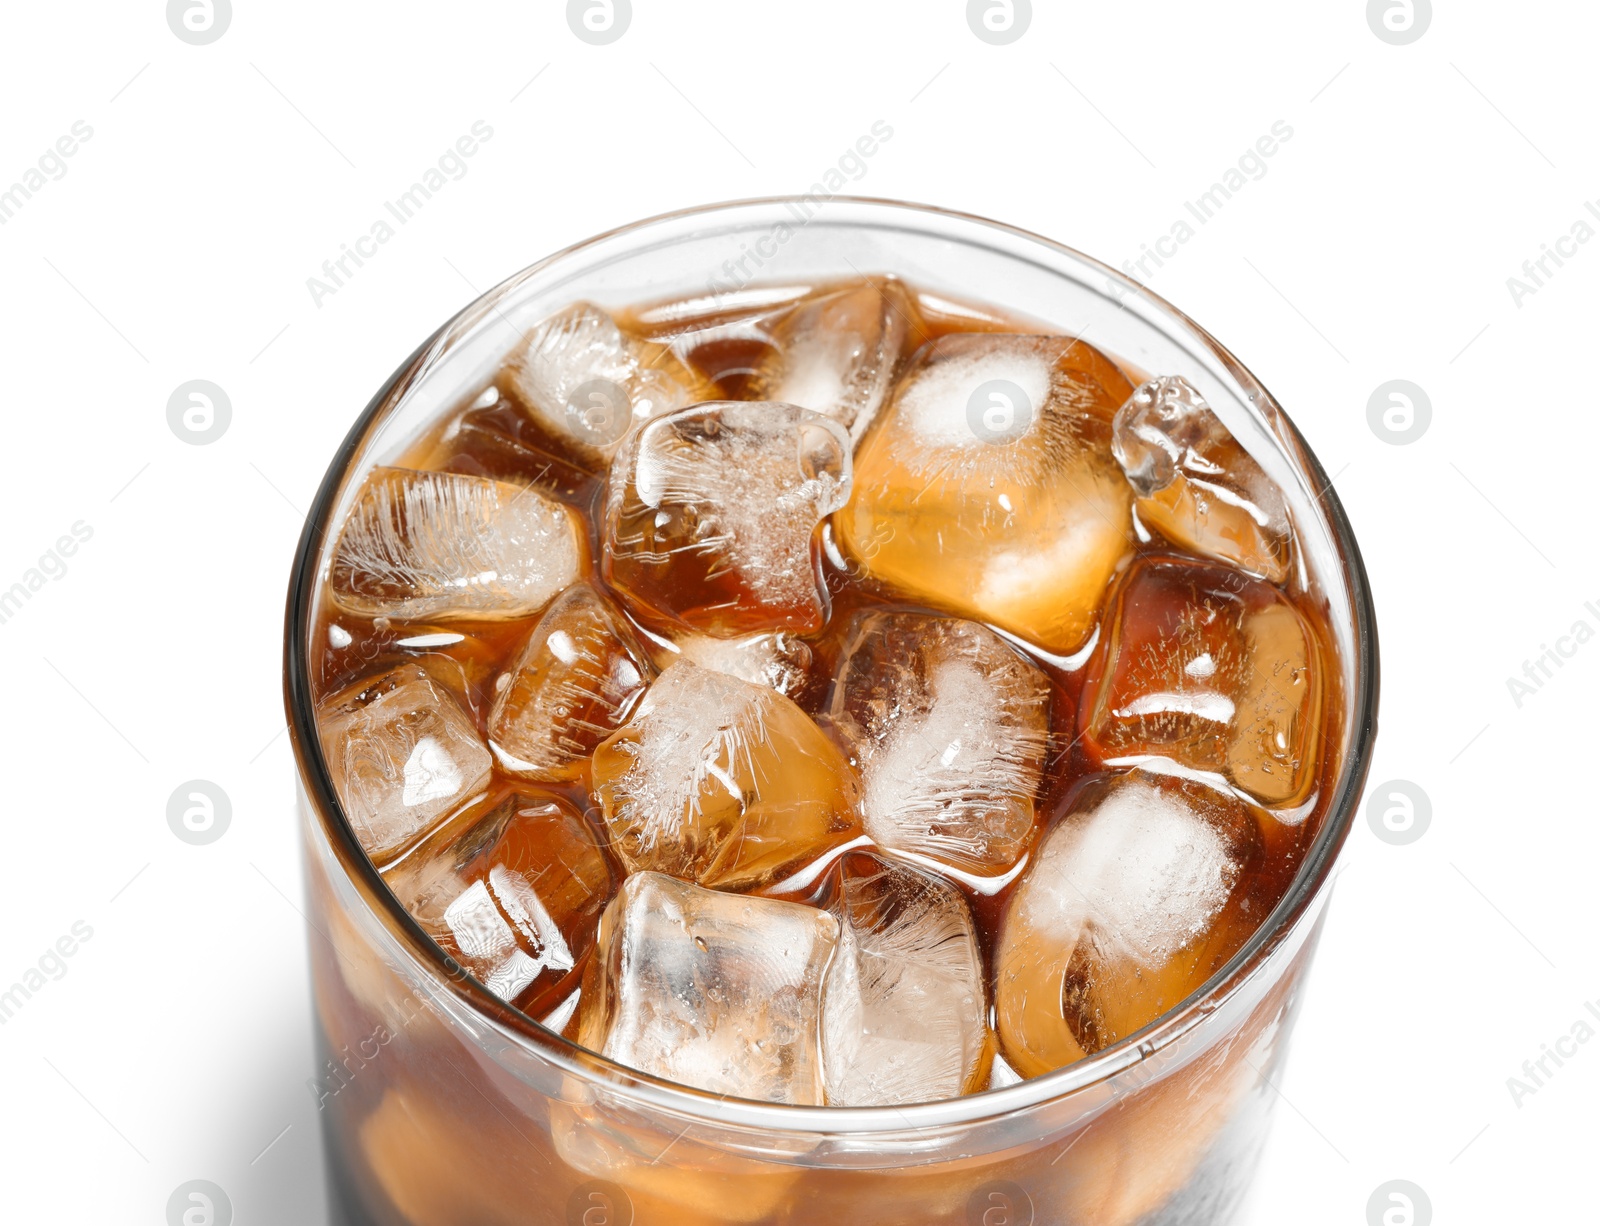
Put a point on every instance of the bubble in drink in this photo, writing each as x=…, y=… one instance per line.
x=1130, y=904
x=712, y=515
x=1018, y=523
x=949, y=726
x=1195, y=484
x=1213, y=669
x=836, y=353
x=718, y=991
x=722, y=782
x=440, y=545
x=905, y=1010
x=403, y=756
x=573, y=683
x=515, y=897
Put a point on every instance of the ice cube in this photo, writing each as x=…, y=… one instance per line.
x=712, y=990
x=988, y=487
x=466, y=664
x=496, y=437
x=1131, y=903
x=515, y=897
x=588, y=383
x=403, y=756
x=780, y=660
x=836, y=352
x=573, y=682
x=1213, y=669
x=722, y=782
x=441, y=545
x=949, y=725
x=905, y=1011
x=1195, y=484
x=712, y=515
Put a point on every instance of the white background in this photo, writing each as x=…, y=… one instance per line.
x=219, y=178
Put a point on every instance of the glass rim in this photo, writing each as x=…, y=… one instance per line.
x=721, y=1110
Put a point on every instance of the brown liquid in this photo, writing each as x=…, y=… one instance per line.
x=489, y=435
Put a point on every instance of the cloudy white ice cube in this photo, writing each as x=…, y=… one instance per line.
x=441, y=545
x=586, y=382
x=905, y=1016
x=949, y=725
x=779, y=660
x=837, y=352
x=1124, y=910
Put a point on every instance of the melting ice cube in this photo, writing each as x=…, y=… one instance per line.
x=718, y=991
x=403, y=756
x=588, y=383
x=837, y=352
x=712, y=515
x=950, y=726
x=515, y=897
x=439, y=545
x=1213, y=669
x=1130, y=904
x=988, y=488
x=905, y=1014
x=722, y=782
x=573, y=682
x=1195, y=484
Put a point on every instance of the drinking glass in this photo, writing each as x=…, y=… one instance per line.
x=444, y=1106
